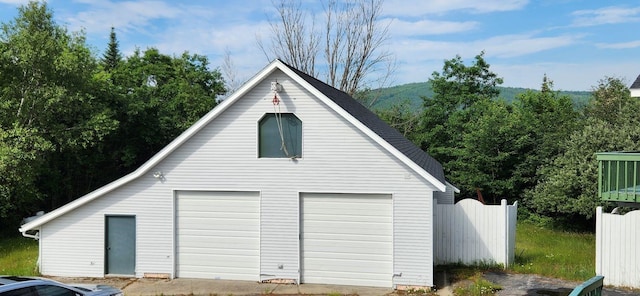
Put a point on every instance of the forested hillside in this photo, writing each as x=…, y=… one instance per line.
x=413, y=92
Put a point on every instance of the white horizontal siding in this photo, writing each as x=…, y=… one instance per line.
x=84, y=229
x=336, y=157
x=413, y=238
x=445, y=198
x=64, y=253
x=279, y=233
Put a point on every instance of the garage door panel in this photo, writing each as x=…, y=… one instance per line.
x=224, y=273
x=219, y=214
x=217, y=235
x=228, y=209
x=337, y=247
x=318, y=228
x=364, y=259
x=223, y=207
x=343, y=278
x=355, y=206
x=347, y=239
x=320, y=208
x=237, y=260
x=229, y=272
x=207, y=270
x=227, y=239
x=362, y=275
x=229, y=225
x=222, y=247
x=345, y=218
x=352, y=238
x=348, y=255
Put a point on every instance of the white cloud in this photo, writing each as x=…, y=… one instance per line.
x=135, y=16
x=419, y=58
x=199, y=28
x=415, y=8
x=14, y=2
x=209, y=29
x=400, y=27
x=213, y=36
x=566, y=76
x=239, y=39
x=606, y=15
x=621, y=45
x=505, y=46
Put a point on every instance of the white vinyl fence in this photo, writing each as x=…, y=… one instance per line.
x=617, y=248
x=470, y=232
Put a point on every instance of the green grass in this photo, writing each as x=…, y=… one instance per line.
x=539, y=250
x=554, y=253
x=18, y=256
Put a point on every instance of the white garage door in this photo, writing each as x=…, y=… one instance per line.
x=347, y=239
x=217, y=235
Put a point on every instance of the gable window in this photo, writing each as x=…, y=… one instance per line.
x=280, y=136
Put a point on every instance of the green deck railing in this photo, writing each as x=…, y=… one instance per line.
x=619, y=176
x=592, y=287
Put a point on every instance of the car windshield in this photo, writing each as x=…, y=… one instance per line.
x=12, y=279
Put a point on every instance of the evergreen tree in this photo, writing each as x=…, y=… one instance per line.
x=568, y=187
x=112, y=56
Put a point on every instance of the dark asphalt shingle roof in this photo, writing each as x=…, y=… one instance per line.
x=636, y=84
x=377, y=125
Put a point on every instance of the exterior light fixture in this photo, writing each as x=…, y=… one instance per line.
x=276, y=87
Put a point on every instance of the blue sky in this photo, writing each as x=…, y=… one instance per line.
x=575, y=43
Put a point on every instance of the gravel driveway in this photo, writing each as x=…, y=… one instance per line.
x=528, y=284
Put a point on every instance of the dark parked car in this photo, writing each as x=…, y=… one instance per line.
x=32, y=286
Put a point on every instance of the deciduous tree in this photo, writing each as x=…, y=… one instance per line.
x=488, y=152
x=352, y=40
x=49, y=115
x=447, y=115
x=160, y=96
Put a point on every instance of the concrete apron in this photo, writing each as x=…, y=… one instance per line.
x=181, y=286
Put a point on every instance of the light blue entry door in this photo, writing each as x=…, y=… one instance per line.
x=120, y=244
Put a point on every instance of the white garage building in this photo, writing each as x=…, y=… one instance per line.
x=288, y=178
